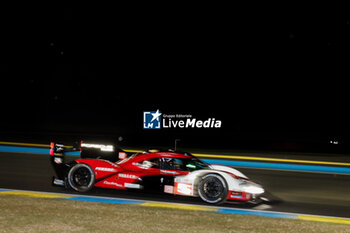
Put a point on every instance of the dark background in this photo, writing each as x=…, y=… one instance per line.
x=276, y=80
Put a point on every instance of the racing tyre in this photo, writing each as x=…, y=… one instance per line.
x=213, y=189
x=81, y=177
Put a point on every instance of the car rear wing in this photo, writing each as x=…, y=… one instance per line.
x=102, y=150
x=89, y=150
x=96, y=150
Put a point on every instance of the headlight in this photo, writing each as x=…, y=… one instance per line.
x=253, y=189
x=250, y=187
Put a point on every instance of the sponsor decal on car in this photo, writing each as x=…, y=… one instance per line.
x=112, y=183
x=237, y=195
x=109, y=148
x=58, y=160
x=168, y=172
x=105, y=169
x=133, y=186
x=127, y=176
x=184, y=189
x=169, y=189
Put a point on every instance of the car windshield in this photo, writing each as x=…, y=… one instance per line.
x=194, y=164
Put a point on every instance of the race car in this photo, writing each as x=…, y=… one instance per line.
x=171, y=172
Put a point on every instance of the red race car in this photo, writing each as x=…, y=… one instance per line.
x=169, y=172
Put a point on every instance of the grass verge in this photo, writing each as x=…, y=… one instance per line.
x=26, y=214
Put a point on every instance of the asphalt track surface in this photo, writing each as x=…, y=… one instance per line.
x=296, y=192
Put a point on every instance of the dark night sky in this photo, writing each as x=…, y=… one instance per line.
x=90, y=70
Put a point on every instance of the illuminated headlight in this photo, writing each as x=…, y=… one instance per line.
x=98, y=146
x=253, y=189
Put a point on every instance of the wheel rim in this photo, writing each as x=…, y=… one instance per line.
x=81, y=177
x=213, y=188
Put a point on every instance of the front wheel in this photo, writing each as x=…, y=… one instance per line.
x=213, y=189
x=81, y=177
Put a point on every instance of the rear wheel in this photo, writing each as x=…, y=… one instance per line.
x=213, y=189
x=81, y=177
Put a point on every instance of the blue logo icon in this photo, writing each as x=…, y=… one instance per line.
x=151, y=120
